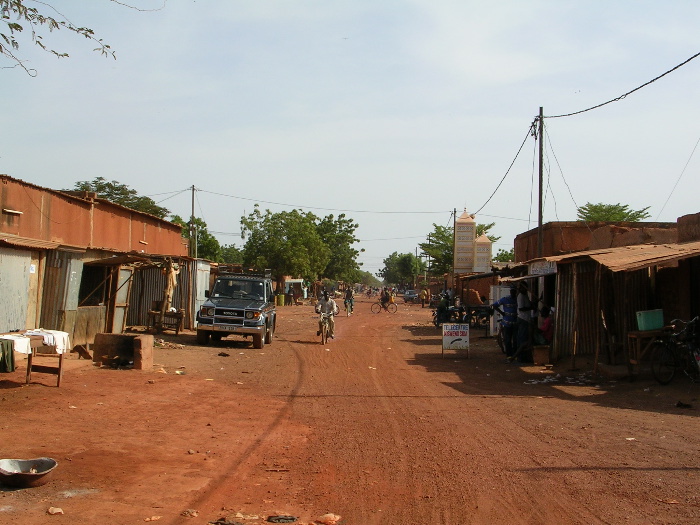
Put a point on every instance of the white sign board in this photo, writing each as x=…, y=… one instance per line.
x=542, y=268
x=455, y=337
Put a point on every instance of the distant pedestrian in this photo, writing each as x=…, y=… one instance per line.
x=423, y=296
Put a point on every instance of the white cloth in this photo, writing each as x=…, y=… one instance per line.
x=20, y=343
x=48, y=337
x=59, y=340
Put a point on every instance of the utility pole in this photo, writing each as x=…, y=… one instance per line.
x=539, y=211
x=454, y=247
x=193, y=230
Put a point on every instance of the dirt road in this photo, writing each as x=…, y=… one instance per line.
x=374, y=426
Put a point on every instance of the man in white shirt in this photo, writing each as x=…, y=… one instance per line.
x=327, y=306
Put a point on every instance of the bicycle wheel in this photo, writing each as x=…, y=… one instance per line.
x=499, y=340
x=376, y=308
x=324, y=333
x=663, y=363
x=391, y=308
x=690, y=365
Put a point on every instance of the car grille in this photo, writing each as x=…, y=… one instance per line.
x=229, y=316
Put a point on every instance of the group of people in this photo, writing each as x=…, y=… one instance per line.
x=517, y=317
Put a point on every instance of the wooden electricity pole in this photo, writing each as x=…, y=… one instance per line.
x=539, y=210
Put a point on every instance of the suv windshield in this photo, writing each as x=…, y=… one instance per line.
x=239, y=289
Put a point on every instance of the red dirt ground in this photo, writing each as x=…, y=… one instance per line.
x=375, y=426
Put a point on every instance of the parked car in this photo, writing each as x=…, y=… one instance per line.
x=411, y=296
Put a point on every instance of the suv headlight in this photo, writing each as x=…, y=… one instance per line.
x=207, y=311
x=252, y=315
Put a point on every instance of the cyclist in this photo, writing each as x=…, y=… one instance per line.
x=385, y=297
x=349, y=300
x=327, y=306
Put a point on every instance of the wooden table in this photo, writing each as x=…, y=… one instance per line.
x=171, y=320
x=638, y=344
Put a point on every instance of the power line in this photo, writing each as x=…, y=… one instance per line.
x=678, y=180
x=529, y=132
x=411, y=212
x=628, y=93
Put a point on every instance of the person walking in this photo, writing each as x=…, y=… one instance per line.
x=349, y=299
x=423, y=297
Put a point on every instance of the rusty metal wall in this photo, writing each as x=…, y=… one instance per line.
x=620, y=295
x=14, y=282
x=201, y=277
x=562, y=344
x=59, y=304
x=148, y=286
x=90, y=320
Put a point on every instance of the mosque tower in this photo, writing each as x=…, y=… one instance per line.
x=471, y=255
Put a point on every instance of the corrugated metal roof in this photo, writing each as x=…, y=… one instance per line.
x=636, y=257
x=24, y=242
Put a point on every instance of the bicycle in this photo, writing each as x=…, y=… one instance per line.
x=325, y=327
x=378, y=307
x=677, y=349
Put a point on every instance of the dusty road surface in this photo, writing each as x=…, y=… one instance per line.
x=375, y=427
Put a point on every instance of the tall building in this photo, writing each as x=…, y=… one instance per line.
x=471, y=255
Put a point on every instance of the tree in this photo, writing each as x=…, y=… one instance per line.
x=482, y=229
x=367, y=279
x=121, y=194
x=231, y=254
x=610, y=213
x=339, y=235
x=16, y=15
x=505, y=256
x=208, y=246
x=287, y=242
x=439, y=249
x=401, y=269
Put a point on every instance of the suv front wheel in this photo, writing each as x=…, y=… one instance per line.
x=258, y=341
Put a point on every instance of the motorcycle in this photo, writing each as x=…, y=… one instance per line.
x=454, y=314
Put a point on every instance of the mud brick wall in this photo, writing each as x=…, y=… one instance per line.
x=120, y=350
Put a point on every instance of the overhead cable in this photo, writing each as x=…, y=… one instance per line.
x=628, y=93
x=411, y=212
x=529, y=132
x=678, y=180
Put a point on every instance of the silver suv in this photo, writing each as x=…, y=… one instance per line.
x=240, y=304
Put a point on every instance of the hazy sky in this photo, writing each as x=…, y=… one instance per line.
x=394, y=112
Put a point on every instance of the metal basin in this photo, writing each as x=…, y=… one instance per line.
x=26, y=472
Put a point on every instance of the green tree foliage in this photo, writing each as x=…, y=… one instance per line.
x=121, y=194
x=440, y=246
x=505, y=256
x=16, y=16
x=401, y=269
x=439, y=249
x=207, y=245
x=287, y=242
x=231, y=254
x=339, y=235
x=482, y=229
x=610, y=213
x=368, y=279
